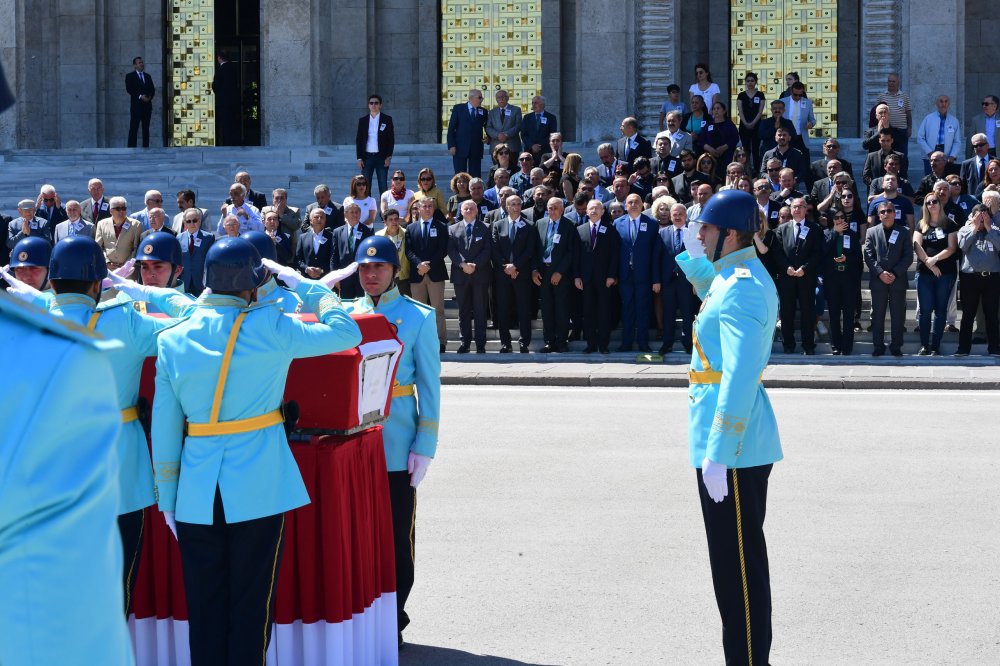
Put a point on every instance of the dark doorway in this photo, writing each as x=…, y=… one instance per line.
x=237, y=34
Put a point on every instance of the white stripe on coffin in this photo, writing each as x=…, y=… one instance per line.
x=160, y=642
x=367, y=639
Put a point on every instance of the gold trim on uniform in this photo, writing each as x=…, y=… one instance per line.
x=168, y=471
x=743, y=565
x=723, y=422
x=327, y=303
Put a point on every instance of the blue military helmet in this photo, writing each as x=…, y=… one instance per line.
x=377, y=249
x=263, y=243
x=159, y=246
x=233, y=264
x=731, y=209
x=77, y=258
x=31, y=251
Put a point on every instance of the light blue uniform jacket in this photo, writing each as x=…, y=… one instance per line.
x=178, y=304
x=413, y=420
x=732, y=422
x=255, y=471
x=121, y=322
x=60, y=552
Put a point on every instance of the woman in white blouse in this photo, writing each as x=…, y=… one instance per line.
x=704, y=86
x=359, y=195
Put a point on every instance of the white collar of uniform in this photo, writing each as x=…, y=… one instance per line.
x=390, y=296
x=74, y=299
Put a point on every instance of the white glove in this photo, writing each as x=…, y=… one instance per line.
x=20, y=290
x=417, y=466
x=131, y=288
x=289, y=276
x=333, y=277
x=168, y=517
x=693, y=246
x=713, y=474
x=123, y=272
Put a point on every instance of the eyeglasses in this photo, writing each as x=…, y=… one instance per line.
x=772, y=170
x=832, y=145
x=846, y=195
x=425, y=179
x=48, y=199
x=153, y=200
x=932, y=202
x=374, y=103
x=988, y=103
x=886, y=212
x=119, y=208
x=503, y=152
x=401, y=178
x=362, y=182
x=841, y=182
x=762, y=188
x=190, y=221
x=980, y=145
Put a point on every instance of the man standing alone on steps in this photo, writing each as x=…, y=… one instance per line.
x=140, y=89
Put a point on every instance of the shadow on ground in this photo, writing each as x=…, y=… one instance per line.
x=429, y=655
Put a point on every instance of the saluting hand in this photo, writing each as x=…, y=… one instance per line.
x=289, y=276
x=123, y=272
x=335, y=277
x=20, y=290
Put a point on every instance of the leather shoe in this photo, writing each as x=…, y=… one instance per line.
x=962, y=352
x=808, y=352
x=505, y=349
x=924, y=351
x=442, y=348
x=524, y=349
x=666, y=349
x=480, y=350
x=624, y=348
x=645, y=349
x=548, y=348
x=605, y=351
x=950, y=328
x=898, y=353
x=574, y=336
x=788, y=350
x=562, y=347
x=462, y=349
x=878, y=352
x=589, y=350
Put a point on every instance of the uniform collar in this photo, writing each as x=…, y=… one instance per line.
x=74, y=299
x=387, y=298
x=266, y=289
x=220, y=301
x=733, y=258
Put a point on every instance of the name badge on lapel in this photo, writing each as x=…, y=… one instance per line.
x=543, y=120
x=803, y=232
x=847, y=242
x=381, y=128
x=854, y=226
x=126, y=226
x=642, y=226
x=555, y=238
x=893, y=236
x=672, y=166
x=484, y=209
x=601, y=230
x=104, y=206
x=433, y=232
x=197, y=241
x=357, y=234
x=328, y=210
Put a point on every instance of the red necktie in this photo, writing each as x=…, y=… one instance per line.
x=191, y=244
x=97, y=211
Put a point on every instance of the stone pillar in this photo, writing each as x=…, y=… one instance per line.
x=9, y=59
x=657, y=61
x=935, y=66
x=882, y=42
x=289, y=48
x=131, y=29
x=605, y=79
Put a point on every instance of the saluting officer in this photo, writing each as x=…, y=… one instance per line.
x=271, y=291
x=733, y=435
x=222, y=371
x=77, y=270
x=29, y=261
x=160, y=267
x=411, y=432
x=61, y=555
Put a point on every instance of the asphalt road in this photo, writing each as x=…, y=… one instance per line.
x=562, y=526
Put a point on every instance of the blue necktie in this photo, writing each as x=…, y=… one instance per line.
x=941, y=131
x=468, y=235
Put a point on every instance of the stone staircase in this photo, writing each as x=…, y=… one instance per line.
x=208, y=171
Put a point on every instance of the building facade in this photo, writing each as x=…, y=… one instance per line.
x=306, y=67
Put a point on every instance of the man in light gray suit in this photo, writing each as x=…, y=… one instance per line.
x=888, y=253
x=503, y=125
x=989, y=118
x=799, y=110
x=75, y=225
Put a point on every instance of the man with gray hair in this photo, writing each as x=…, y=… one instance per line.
x=153, y=199
x=243, y=210
x=606, y=169
x=974, y=168
x=74, y=224
x=334, y=211
x=28, y=224
x=465, y=134
x=157, y=222
x=536, y=127
x=48, y=207
x=96, y=207
x=940, y=131
x=118, y=236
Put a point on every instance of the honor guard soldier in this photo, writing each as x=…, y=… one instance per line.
x=29, y=262
x=60, y=555
x=160, y=267
x=228, y=475
x=77, y=271
x=411, y=433
x=271, y=291
x=733, y=435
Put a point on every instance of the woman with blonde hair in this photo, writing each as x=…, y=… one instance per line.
x=395, y=232
x=935, y=243
x=570, y=180
x=428, y=189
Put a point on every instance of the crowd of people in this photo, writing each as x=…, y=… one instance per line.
x=592, y=245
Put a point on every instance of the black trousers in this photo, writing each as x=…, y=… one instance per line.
x=737, y=552
x=130, y=526
x=230, y=573
x=596, y=299
x=676, y=295
x=403, y=498
x=975, y=289
x=752, y=147
x=797, y=294
x=555, y=301
x=892, y=297
x=513, y=294
x=842, y=289
x=139, y=115
x=473, y=301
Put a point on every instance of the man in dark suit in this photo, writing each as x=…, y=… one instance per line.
x=632, y=145
x=345, y=240
x=470, y=247
x=49, y=207
x=831, y=151
x=374, y=143
x=675, y=293
x=597, y=268
x=888, y=253
x=823, y=186
x=283, y=247
x=334, y=211
x=141, y=90
x=258, y=199
x=426, y=248
x=465, y=135
x=514, y=246
x=314, y=253
x=228, y=102
x=194, y=246
x=28, y=224
x=95, y=208
x=536, y=128
x=639, y=272
x=875, y=161
x=688, y=176
x=974, y=168
x=791, y=158
x=798, y=256
x=552, y=273
x=767, y=128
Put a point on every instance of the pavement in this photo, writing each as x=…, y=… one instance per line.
x=784, y=371
x=564, y=528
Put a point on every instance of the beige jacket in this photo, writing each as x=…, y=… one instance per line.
x=118, y=250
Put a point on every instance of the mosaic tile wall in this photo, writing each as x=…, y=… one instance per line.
x=490, y=45
x=774, y=37
x=190, y=68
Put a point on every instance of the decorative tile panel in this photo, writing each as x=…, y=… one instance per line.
x=774, y=37
x=489, y=45
x=190, y=69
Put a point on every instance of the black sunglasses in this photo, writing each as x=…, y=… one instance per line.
x=401, y=178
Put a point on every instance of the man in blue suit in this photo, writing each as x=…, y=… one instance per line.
x=675, y=293
x=465, y=135
x=536, y=127
x=426, y=248
x=345, y=239
x=194, y=246
x=639, y=272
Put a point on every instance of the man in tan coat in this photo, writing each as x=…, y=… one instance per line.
x=119, y=235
